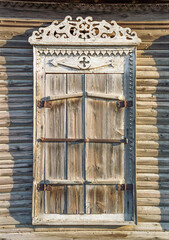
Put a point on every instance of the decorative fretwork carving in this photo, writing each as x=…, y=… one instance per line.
x=84, y=62
x=91, y=52
x=84, y=31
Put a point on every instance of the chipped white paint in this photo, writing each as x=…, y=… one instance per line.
x=85, y=31
x=85, y=63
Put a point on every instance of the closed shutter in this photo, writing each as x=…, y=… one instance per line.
x=84, y=136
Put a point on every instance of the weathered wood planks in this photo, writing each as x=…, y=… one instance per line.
x=14, y=121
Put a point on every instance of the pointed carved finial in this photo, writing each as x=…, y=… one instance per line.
x=84, y=30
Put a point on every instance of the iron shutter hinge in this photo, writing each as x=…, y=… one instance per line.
x=43, y=187
x=45, y=104
x=124, y=187
x=125, y=104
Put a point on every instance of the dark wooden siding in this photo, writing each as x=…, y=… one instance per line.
x=16, y=90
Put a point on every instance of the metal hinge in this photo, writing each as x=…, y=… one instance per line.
x=44, y=187
x=44, y=104
x=125, y=104
x=124, y=187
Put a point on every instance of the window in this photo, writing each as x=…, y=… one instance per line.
x=84, y=123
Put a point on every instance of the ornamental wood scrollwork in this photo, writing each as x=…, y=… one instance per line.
x=84, y=30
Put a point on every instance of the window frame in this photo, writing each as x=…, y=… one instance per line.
x=40, y=50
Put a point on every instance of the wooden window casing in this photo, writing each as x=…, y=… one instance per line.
x=84, y=135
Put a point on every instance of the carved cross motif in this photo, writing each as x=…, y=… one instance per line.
x=84, y=62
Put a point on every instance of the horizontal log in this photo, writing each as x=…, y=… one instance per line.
x=142, y=46
x=15, y=179
x=151, y=61
x=10, y=60
x=150, y=129
x=159, y=194
x=151, y=121
x=153, y=53
x=152, y=202
x=16, y=52
x=11, y=98
x=17, y=68
x=14, y=187
x=17, y=163
x=152, y=113
x=16, y=75
x=152, y=169
x=12, y=211
x=152, y=74
x=16, y=122
x=152, y=144
x=16, y=90
x=15, y=131
x=153, y=34
x=152, y=136
x=24, y=22
x=145, y=68
x=147, y=89
x=16, y=83
x=15, y=155
x=16, y=114
x=152, y=152
x=152, y=185
x=19, y=218
x=134, y=24
x=16, y=171
x=16, y=196
x=152, y=210
x=104, y=235
x=12, y=43
x=152, y=177
x=16, y=204
x=153, y=218
x=153, y=82
x=16, y=168
x=141, y=226
x=145, y=105
x=152, y=97
x=11, y=32
x=16, y=147
x=16, y=106
x=154, y=161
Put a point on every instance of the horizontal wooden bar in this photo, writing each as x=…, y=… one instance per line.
x=49, y=187
x=80, y=94
x=104, y=95
x=65, y=96
x=82, y=181
x=87, y=140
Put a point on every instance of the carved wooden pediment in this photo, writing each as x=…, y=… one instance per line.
x=84, y=30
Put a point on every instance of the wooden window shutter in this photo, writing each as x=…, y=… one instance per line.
x=84, y=123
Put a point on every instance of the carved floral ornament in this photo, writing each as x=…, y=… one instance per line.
x=84, y=31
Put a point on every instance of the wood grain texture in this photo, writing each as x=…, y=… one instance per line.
x=16, y=127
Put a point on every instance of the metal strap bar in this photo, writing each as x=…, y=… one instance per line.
x=87, y=140
x=48, y=102
x=49, y=187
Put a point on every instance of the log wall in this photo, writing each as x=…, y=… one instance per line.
x=16, y=91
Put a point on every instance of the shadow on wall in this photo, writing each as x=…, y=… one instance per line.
x=153, y=132
x=16, y=84
x=16, y=131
